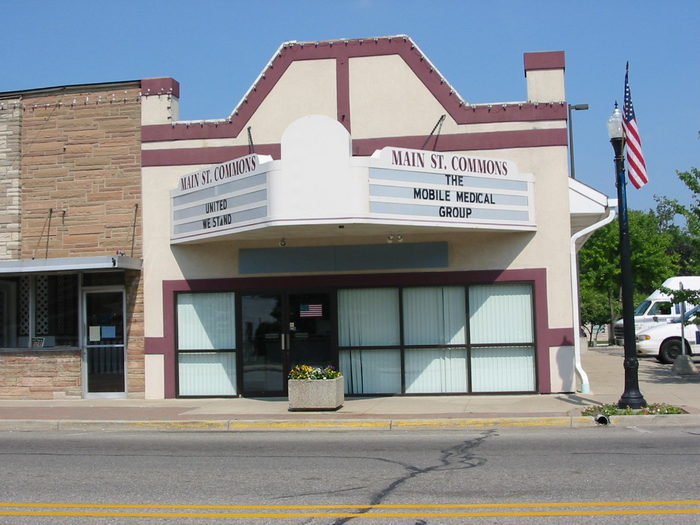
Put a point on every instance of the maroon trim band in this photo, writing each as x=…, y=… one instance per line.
x=365, y=147
x=530, y=138
x=342, y=52
x=544, y=60
x=189, y=156
x=545, y=336
x=160, y=86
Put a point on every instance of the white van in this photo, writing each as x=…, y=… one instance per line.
x=657, y=308
x=664, y=340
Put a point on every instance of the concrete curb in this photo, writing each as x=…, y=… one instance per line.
x=671, y=420
x=242, y=425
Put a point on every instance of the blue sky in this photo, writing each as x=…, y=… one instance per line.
x=217, y=48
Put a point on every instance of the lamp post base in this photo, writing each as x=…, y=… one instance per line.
x=632, y=400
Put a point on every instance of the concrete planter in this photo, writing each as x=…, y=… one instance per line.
x=316, y=394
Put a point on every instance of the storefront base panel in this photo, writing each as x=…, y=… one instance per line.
x=43, y=374
x=269, y=316
x=562, y=369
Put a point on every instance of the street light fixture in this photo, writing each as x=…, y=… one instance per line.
x=572, y=167
x=631, y=397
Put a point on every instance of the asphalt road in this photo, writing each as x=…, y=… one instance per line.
x=567, y=476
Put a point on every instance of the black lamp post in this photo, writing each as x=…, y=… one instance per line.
x=631, y=397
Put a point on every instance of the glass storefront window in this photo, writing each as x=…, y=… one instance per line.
x=444, y=348
x=371, y=371
x=368, y=317
x=207, y=373
x=436, y=370
x=506, y=369
x=206, y=338
x=39, y=311
x=206, y=321
x=434, y=315
x=501, y=313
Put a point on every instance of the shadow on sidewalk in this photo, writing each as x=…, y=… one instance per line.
x=577, y=400
x=659, y=373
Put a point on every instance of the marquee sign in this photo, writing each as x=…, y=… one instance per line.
x=220, y=197
x=416, y=185
x=394, y=186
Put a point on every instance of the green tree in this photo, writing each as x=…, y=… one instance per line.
x=691, y=213
x=682, y=296
x=595, y=310
x=652, y=260
x=685, y=233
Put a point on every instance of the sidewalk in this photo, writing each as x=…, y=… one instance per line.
x=604, y=366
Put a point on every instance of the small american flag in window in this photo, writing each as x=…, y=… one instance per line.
x=310, y=310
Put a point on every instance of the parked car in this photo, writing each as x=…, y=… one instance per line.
x=657, y=307
x=664, y=340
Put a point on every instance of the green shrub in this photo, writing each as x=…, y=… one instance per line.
x=649, y=410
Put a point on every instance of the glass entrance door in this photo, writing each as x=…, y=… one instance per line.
x=280, y=331
x=261, y=330
x=310, y=329
x=104, y=342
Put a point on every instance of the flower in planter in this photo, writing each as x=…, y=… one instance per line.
x=305, y=372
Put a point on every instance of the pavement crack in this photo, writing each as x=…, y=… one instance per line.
x=457, y=457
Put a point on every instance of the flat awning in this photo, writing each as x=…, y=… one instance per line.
x=70, y=264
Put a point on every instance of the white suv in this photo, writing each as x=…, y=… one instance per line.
x=664, y=341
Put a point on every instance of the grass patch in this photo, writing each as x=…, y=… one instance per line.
x=652, y=409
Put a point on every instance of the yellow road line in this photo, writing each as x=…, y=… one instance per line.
x=360, y=506
x=353, y=515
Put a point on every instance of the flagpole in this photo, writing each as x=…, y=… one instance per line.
x=631, y=397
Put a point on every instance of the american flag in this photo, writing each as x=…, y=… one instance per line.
x=636, y=167
x=310, y=310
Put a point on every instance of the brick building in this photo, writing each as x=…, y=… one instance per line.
x=71, y=291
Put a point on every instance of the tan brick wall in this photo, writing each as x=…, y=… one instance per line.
x=81, y=196
x=10, y=120
x=40, y=375
x=81, y=175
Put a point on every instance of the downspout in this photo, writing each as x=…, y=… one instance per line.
x=585, y=384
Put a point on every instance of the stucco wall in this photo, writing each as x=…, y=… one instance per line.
x=386, y=100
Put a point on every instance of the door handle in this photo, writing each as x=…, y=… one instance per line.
x=285, y=342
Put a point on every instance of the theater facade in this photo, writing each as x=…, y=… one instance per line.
x=353, y=210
